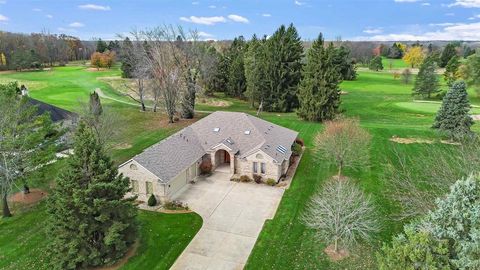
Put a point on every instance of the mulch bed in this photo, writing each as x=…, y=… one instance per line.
x=336, y=256
x=34, y=196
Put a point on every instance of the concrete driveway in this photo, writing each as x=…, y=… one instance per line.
x=233, y=215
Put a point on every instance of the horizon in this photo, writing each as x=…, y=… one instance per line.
x=416, y=20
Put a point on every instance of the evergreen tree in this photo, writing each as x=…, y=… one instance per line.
x=220, y=78
x=345, y=62
x=396, y=51
x=319, y=94
x=90, y=222
x=128, y=61
x=453, y=117
x=376, y=63
x=94, y=105
x=447, y=54
x=254, y=57
x=451, y=70
x=236, y=83
x=101, y=46
x=282, y=69
x=426, y=82
x=467, y=51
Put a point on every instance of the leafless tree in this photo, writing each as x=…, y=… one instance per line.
x=344, y=143
x=341, y=214
x=136, y=56
x=415, y=181
x=406, y=76
x=105, y=125
x=165, y=62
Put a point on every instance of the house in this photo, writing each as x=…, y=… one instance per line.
x=233, y=142
x=57, y=115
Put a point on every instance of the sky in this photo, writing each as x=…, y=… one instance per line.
x=378, y=20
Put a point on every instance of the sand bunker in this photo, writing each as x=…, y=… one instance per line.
x=420, y=140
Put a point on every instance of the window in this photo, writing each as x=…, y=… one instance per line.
x=134, y=186
x=263, y=167
x=259, y=156
x=255, y=167
x=133, y=167
x=149, y=187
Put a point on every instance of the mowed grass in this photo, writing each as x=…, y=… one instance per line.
x=162, y=238
x=23, y=239
x=394, y=63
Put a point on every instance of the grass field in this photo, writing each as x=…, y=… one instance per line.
x=394, y=63
x=382, y=104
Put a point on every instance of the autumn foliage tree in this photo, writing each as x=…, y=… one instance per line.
x=344, y=143
x=103, y=60
x=414, y=56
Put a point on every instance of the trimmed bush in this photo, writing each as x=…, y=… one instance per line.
x=152, y=201
x=206, y=167
x=175, y=205
x=257, y=178
x=271, y=182
x=296, y=149
x=245, y=179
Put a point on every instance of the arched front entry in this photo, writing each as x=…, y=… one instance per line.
x=223, y=161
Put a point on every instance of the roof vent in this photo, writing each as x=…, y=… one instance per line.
x=247, y=132
x=217, y=129
x=229, y=141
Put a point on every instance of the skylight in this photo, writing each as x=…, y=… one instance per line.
x=217, y=129
x=247, y=132
x=281, y=149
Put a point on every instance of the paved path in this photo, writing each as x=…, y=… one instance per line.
x=233, y=216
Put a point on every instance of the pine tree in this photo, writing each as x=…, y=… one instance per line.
x=253, y=70
x=90, y=222
x=101, y=46
x=451, y=70
x=94, y=105
x=426, y=82
x=345, y=63
x=236, y=83
x=282, y=69
x=453, y=117
x=447, y=54
x=319, y=94
x=128, y=61
x=376, y=63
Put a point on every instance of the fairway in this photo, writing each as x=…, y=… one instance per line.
x=425, y=107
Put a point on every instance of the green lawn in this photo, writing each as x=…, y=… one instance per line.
x=394, y=63
x=381, y=103
x=68, y=87
x=23, y=239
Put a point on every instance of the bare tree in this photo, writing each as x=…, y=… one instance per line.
x=135, y=55
x=406, y=76
x=165, y=64
x=415, y=181
x=344, y=143
x=341, y=214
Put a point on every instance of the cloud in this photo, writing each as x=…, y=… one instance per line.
x=49, y=16
x=298, y=3
x=3, y=2
x=267, y=15
x=466, y=3
x=76, y=24
x=238, y=18
x=37, y=9
x=195, y=3
x=204, y=34
x=3, y=18
x=204, y=20
x=94, y=7
x=373, y=30
x=442, y=24
x=425, y=4
x=407, y=1
x=458, y=31
x=212, y=6
x=61, y=29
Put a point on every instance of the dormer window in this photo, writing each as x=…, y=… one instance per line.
x=217, y=129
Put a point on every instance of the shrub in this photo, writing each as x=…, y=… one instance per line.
x=206, y=167
x=235, y=178
x=257, y=178
x=300, y=142
x=175, y=205
x=245, y=179
x=152, y=201
x=296, y=149
x=271, y=182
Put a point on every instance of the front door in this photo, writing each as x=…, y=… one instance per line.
x=226, y=158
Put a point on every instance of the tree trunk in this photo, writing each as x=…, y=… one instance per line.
x=336, y=245
x=340, y=170
x=6, y=210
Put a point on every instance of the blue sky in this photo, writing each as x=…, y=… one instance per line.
x=222, y=19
